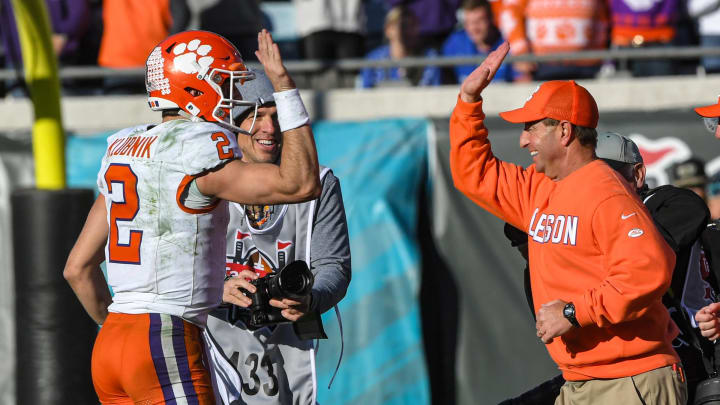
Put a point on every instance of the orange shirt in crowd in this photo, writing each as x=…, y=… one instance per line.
x=550, y=26
x=496, y=8
x=131, y=28
x=591, y=242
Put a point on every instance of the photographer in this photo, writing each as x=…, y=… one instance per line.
x=271, y=364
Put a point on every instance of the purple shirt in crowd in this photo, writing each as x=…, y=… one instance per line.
x=69, y=17
x=644, y=17
x=434, y=16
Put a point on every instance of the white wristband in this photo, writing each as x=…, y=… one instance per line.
x=290, y=110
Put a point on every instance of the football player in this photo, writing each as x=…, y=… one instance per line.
x=160, y=220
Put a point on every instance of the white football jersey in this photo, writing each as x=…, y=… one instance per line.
x=162, y=256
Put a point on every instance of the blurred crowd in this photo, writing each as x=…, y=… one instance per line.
x=120, y=34
x=691, y=174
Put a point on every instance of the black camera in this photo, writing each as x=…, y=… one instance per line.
x=293, y=281
x=708, y=392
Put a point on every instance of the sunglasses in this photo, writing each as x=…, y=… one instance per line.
x=711, y=124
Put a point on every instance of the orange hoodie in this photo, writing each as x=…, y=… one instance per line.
x=591, y=242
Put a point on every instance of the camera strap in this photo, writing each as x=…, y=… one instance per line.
x=342, y=345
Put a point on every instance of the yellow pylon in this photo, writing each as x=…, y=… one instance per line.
x=41, y=76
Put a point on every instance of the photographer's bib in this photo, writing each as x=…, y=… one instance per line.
x=259, y=367
x=268, y=365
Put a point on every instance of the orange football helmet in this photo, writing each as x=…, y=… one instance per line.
x=197, y=72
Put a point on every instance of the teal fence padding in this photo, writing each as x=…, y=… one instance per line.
x=83, y=155
x=381, y=166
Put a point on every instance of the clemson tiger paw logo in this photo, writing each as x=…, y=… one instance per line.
x=186, y=56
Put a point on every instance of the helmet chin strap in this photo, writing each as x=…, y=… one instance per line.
x=185, y=114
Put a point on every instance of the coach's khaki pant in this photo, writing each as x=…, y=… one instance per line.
x=662, y=386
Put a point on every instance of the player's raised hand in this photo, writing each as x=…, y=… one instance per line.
x=268, y=54
x=474, y=84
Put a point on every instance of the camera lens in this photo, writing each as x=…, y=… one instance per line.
x=295, y=280
x=293, y=283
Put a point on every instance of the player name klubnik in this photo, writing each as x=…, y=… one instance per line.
x=136, y=146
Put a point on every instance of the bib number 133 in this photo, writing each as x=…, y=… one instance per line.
x=122, y=188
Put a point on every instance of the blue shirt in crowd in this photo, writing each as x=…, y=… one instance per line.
x=459, y=44
x=372, y=76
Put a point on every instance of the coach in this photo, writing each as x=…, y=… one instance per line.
x=598, y=266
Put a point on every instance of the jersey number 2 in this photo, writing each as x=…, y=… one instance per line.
x=223, y=143
x=124, y=207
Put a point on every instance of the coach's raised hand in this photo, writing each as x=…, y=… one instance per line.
x=474, y=84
